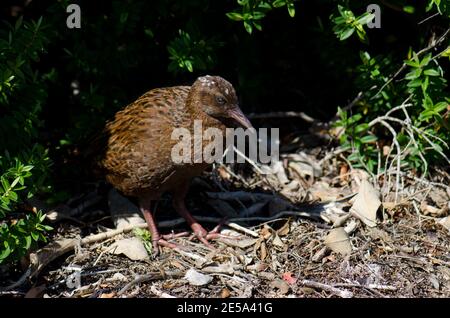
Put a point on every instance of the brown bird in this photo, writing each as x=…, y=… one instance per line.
x=137, y=145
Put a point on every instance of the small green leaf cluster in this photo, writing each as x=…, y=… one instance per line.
x=253, y=11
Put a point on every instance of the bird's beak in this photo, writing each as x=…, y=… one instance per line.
x=238, y=116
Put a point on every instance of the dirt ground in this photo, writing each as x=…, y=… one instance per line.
x=316, y=228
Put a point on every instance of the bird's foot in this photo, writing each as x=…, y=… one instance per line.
x=161, y=241
x=202, y=235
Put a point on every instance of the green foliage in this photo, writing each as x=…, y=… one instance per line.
x=24, y=165
x=20, y=181
x=253, y=11
x=146, y=238
x=421, y=127
x=188, y=53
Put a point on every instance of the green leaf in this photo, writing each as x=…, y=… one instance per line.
x=291, y=9
x=346, y=34
x=35, y=236
x=235, y=16
x=432, y=72
x=189, y=66
x=411, y=63
x=413, y=74
x=362, y=127
x=278, y=3
x=409, y=9
x=425, y=60
x=369, y=139
x=415, y=83
x=365, y=18
x=353, y=157
x=248, y=27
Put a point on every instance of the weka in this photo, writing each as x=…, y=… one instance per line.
x=137, y=144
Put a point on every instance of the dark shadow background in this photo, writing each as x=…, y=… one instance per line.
x=120, y=52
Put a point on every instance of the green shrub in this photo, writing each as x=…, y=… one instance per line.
x=24, y=163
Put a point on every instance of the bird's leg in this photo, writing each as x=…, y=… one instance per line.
x=180, y=207
x=157, y=240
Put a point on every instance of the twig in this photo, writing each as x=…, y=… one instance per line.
x=288, y=114
x=397, y=145
x=338, y=292
x=243, y=229
x=428, y=18
x=148, y=277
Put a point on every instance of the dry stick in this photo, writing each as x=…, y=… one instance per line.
x=148, y=277
x=338, y=292
x=288, y=114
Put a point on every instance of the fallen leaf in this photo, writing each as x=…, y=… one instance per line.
x=131, y=248
x=284, y=230
x=287, y=277
x=266, y=232
x=278, y=242
x=197, y=279
x=123, y=212
x=225, y=293
x=445, y=222
x=244, y=243
x=109, y=295
x=263, y=250
x=366, y=204
x=225, y=268
x=338, y=241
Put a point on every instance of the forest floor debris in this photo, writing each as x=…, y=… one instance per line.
x=314, y=230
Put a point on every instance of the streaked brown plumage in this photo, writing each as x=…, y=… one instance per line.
x=135, y=147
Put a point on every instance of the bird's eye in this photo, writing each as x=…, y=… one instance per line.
x=220, y=100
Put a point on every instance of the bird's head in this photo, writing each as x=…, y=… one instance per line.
x=216, y=97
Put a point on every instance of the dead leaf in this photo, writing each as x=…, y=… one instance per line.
x=284, y=230
x=225, y=268
x=266, y=232
x=123, y=212
x=131, y=248
x=366, y=204
x=108, y=295
x=338, y=241
x=320, y=254
x=445, y=222
x=278, y=242
x=244, y=243
x=287, y=277
x=197, y=279
x=343, y=173
x=281, y=285
x=382, y=235
x=267, y=275
x=431, y=210
x=225, y=293
x=263, y=251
